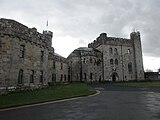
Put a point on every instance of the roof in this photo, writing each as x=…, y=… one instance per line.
x=84, y=51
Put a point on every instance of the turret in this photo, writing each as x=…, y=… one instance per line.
x=48, y=37
x=138, y=60
x=103, y=35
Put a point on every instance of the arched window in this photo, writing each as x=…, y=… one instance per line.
x=32, y=76
x=41, y=76
x=111, y=61
x=130, y=67
x=42, y=56
x=53, y=77
x=116, y=61
x=110, y=50
x=115, y=51
x=20, y=76
x=129, y=51
x=22, y=50
x=54, y=64
x=90, y=60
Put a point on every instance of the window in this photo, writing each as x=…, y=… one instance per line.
x=91, y=76
x=41, y=76
x=53, y=77
x=130, y=67
x=129, y=51
x=110, y=50
x=111, y=61
x=20, y=76
x=99, y=62
x=95, y=61
x=61, y=66
x=84, y=60
x=65, y=77
x=90, y=60
x=61, y=78
x=22, y=49
x=69, y=78
x=115, y=51
x=32, y=76
x=116, y=61
x=85, y=76
x=42, y=56
x=54, y=64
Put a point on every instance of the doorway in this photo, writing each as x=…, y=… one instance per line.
x=114, y=77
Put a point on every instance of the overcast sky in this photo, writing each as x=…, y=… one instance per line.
x=75, y=23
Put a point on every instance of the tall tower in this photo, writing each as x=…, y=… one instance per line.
x=48, y=37
x=138, y=60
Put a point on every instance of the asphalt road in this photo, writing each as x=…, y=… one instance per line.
x=113, y=103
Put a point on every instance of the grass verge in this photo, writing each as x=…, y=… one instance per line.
x=51, y=93
x=139, y=84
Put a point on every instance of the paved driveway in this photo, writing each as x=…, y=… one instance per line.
x=113, y=103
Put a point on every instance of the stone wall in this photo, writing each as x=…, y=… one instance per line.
x=85, y=65
x=17, y=39
x=12, y=62
x=57, y=68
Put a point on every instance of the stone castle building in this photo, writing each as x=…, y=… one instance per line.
x=27, y=58
x=108, y=59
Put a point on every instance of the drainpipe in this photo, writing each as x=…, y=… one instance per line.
x=122, y=64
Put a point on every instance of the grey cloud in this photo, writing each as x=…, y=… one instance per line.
x=86, y=19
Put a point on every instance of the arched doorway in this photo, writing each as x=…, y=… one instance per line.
x=114, y=77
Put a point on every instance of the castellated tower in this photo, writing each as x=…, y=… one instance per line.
x=121, y=57
x=139, y=70
x=48, y=37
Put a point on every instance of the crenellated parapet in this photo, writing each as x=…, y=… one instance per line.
x=99, y=41
x=103, y=39
x=15, y=29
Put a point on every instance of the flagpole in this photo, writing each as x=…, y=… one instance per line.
x=47, y=24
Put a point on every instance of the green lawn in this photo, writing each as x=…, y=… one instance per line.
x=48, y=94
x=139, y=84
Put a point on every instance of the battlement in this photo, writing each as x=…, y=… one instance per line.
x=16, y=29
x=103, y=39
x=135, y=35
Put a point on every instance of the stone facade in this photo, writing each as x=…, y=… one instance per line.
x=85, y=64
x=57, y=68
x=27, y=58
